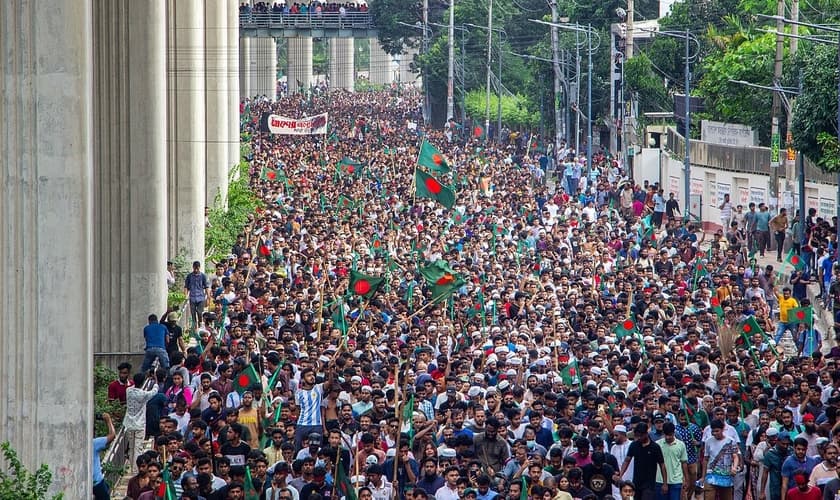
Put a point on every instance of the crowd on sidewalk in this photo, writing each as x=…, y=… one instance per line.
x=417, y=313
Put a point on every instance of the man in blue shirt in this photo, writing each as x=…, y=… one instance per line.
x=157, y=336
x=798, y=460
x=100, y=444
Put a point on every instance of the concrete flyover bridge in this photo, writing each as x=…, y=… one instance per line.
x=263, y=30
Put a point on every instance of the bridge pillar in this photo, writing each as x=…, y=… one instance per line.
x=263, y=67
x=129, y=165
x=217, y=101
x=380, y=64
x=186, y=128
x=244, y=68
x=300, y=64
x=406, y=59
x=46, y=241
x=231, y=54
x=342, y=64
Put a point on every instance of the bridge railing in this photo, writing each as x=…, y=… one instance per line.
x=323, y=20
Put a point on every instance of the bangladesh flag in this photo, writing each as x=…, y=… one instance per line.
x=364, y=285
x=427, y=186
x=345, y=202
x=431, y=158
x=625, y=328
x=716, y=307
x=339, y=320
x=801, y=315
x=376, y=244
x=700, y=269
x=408, y=417
x=478, y=132
x=342, y=482
x=747, y=329
x=795, y=260
x=250, y=490
x=441, y=279
x=349, y=166
x=165, y=490
x=569, y=374
x=269, y=174
x=459, y=218
x=245, y=379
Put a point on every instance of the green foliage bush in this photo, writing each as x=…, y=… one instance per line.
x=16, y=483
x=102, y=376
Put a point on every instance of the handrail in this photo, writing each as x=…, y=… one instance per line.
x=115, y=455
x=279, y=20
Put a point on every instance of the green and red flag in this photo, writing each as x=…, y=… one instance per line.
x=339, y=320
x=569, y=374
x=747, y=329
x=250, y=490
x=801, y=315
x=427, y=186
x=364, y=285
x=166, y=488
x=459, y=218
x=245, y=379
x=795, y=260
x=343, y=483
x=431, y=158
x=345, y=202
x=269, y=174
x=691, y=413
x=349, y=166
x=716, y=307
x=442, y=280
x=625, y=328
x=478, y=132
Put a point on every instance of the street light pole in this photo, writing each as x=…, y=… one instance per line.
x=489, y=60
x=450, y=81
x=589, y=104
x=687, y=164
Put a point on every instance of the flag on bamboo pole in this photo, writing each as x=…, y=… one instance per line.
x=801, y=315
x=478, y=132
x=343, y=483
x=166, y=489
x=408, y=417
x=431, y=158
x=364, y=285
x=442, y=280
x=569, y=374
x=716, y=307
x=339, y=320
x=245, y=379
x=747, y=329
x=345, y=202
x=691, y=413
x=250, y=490
x=427, y=186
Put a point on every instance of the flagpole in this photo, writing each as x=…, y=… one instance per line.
x=321, y=301
x=399, y=422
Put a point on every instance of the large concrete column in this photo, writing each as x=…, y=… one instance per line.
x=263, y=68
x=245, y=68
x=342, y=64
x=380, y=64
x=186, y=127
x=300, y=64
x=217, y=101
x=407, y=75
x=46, y=183
x=232, y=55
x=129, y=163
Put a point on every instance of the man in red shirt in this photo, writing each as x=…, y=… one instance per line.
x=116, y=389
x=802, y=490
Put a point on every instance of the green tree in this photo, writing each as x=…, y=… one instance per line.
x=814, y=123
x=17, y=483
x=748, y=58
x=517, y=110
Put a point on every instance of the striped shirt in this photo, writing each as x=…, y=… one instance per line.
x=309, y=402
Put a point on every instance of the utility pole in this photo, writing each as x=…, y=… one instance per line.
x=555, y=56
x=489, y=60
x=577, y=92
x=790, y=154
x=775, y=140
x=450, y=83
x=628, y=42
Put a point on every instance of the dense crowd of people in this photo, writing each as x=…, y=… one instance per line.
x=583, y=348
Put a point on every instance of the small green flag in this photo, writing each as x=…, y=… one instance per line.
x=749, y=327
x=524, y=494
x=250, y=490
x=716, y=307
x=569, y=374
x=342, y=482
x=431, y=158
x=625, y=328
x=339, y=320
x=269, y=174
x=795, y=260
x=427, y=186
x=245, y=379
x=364, y=285
x=800, y=315
x=442, y=279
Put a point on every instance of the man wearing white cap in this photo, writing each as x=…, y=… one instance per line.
x=619, y=450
